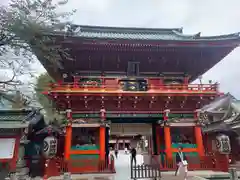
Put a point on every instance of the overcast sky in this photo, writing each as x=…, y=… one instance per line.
x=210, y=17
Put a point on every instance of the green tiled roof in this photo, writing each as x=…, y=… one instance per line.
x=12, y=117
x=140, y=34
x=15, y=115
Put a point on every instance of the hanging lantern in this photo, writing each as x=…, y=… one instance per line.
x=223, y=144
x=50, y=146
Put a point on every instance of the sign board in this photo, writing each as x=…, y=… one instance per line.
x=7, y=148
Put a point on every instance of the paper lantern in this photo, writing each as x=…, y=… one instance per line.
x=223, y=144
x=50, y=147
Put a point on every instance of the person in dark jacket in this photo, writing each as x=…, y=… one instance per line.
x=116, y=153
x=133, y=156
x=180, y=157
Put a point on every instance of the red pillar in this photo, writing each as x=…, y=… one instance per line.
x=198, y=136
x=68, y=136
x=168, y=143
x=102, y=143
x=167, y=136
x=102, y=135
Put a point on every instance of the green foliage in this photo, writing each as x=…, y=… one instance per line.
x=26, y=29
x=42, y=83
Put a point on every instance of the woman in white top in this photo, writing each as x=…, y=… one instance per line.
x=181, y=162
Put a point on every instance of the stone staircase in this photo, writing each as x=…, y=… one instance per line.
x=22, y=170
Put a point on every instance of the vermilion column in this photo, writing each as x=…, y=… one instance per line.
x=199, y=140
x=102, y=134
x=102, y=142
x=168, y=143
x=158, y=139
x=167, y=136
x=68, y=136
x=198, y=136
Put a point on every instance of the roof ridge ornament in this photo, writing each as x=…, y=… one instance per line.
x=198, y=35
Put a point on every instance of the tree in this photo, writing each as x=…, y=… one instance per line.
x=43, y=81
x=26, y=28
x=15, y=101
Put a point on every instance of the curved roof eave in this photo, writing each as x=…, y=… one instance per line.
x=158, y=34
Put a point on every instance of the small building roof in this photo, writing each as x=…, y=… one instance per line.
x=21, y=118
x=223, y=114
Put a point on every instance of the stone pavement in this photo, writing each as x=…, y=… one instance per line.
x=106, y=177
x=172, y=177
x=123, y=172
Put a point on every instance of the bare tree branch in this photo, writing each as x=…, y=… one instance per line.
x=23, y=24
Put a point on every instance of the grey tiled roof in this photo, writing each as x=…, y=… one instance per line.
x=133, y=36
x=139, y=34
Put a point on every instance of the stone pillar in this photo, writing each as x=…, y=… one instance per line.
x=233, y=174
x=21, y=166
x=67, y=176
x=13, y=176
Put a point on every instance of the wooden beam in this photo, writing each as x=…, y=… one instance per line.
x=182, y=124
x=86, y=125
x=83, y=152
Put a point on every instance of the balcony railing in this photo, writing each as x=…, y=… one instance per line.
x=174, y=88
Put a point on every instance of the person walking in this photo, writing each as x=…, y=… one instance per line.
x=116, y=153
x=133, y=156
x=181, y=162
x=125, y=150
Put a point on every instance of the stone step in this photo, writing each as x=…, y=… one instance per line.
x=24, y=177
x=22, y=171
